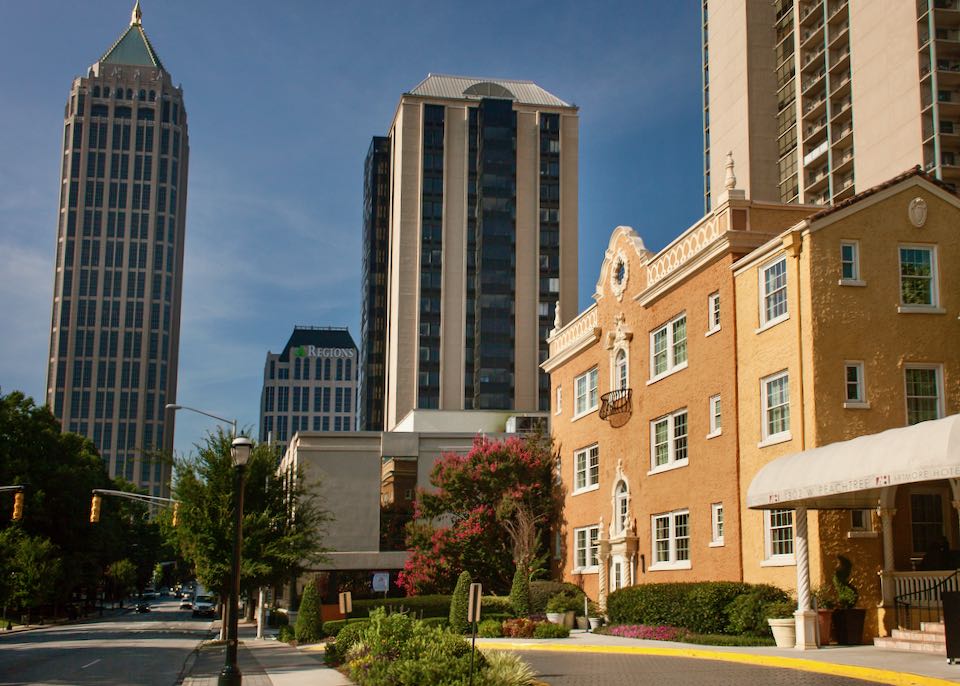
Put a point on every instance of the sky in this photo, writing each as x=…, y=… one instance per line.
x=282, y=100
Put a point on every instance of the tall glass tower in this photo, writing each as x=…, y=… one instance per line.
x=115, y=328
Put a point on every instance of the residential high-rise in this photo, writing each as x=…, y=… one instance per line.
x=309, y=386
x=482, y=244
x=115, y=331
x=373, y=316
x=818, y=99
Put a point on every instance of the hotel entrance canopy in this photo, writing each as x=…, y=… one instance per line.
x=854, y=474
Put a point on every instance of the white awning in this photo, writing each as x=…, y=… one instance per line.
x=851, y=474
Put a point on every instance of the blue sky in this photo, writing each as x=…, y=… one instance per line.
x=282, y=99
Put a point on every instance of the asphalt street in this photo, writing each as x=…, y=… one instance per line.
x=586, y=669
x=148, y=649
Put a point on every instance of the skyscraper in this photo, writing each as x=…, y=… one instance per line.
x=115, y=329
x=482, y=244
x=373, y=316
x=818, y=99
x=309, y=386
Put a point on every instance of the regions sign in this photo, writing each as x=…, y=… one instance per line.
x=314, y=351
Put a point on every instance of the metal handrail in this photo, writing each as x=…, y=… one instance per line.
x=924, y=604
x=615, y=402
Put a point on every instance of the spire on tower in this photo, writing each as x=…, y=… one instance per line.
x=136, y=16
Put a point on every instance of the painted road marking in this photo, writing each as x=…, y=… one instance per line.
x=91, y=664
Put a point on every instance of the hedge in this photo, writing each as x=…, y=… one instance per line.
x=333, y=627
x=429, y=605
x=702, y=607
x=542, y=591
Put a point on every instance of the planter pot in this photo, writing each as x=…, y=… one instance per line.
x=784, y=632
x=595, y=622
x=825, y=618
x=581, y=622
x=848, y=626
x=568, y=618
x=555, y=617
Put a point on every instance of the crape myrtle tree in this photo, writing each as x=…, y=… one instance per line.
x=283, y=522
x=488, y=512
x=58, y=471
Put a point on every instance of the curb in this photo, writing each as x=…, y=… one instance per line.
x=881, y=676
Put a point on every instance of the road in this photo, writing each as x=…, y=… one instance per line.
x=148, y=649
x=595, y=669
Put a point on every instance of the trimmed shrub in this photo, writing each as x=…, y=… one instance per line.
x=542, y=591
x=520, y=593
x=748, y=613
x=703, y=608
x=418, y=605
x=520, y=627
x=347, y=635
x=550, y=630
x=286, y=633
x=309, y=627
x=459, y=602
x=499, y=604
x=333, y=627
x=439, y=622
x=490, y=628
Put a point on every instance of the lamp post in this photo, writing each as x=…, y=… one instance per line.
x=230, y=675
x=232, y=422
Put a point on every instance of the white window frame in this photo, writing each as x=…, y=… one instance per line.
x=772, y=558
x=861, y=524
x=621, y=370
x=938, y=371
x=586, y=549
x=673, y=561
x=670, y=351
x=716, y=525
x=674, y=443
x=854, y=279
x=934, y=304
x=713, y=313
x=586, y=464
x=586, y=398
x=621, y=507
x=765, y=296
x=559, y=405
x=715, y=410
x=860, y=384
x=768, y=438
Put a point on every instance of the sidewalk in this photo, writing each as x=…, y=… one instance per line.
x=859, y=662
x=265, y=662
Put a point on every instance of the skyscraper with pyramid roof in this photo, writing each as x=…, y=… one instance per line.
x=115, y=327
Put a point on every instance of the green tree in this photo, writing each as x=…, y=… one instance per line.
x=36, y=571
x=309, y=621
x=520, y=592
x=122, y=576
x=459, y=603
x=500, y=497
x=283, y=525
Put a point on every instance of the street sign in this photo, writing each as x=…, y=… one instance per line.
x=473, y=609
x=381, y=582
x=346, y=602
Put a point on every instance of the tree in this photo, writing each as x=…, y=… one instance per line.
x=309, y=620
x=122, y=576
x=459, y=603
x=283, y=524
x=36, y=571
x=520, y=592
x=499, y=497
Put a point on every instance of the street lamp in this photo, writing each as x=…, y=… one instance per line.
x=231, y=422
x=230, y=675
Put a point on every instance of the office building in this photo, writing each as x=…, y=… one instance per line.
x=819, y=99
x=373, y=315
x=311, y=385
x=482, y=244
x=114, y=340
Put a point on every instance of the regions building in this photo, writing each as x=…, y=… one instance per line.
x=311, y=385
x=820, y=99
x=477, y=180
x=708, y=377
x=115, y=333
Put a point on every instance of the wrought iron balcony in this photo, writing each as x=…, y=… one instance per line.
x=616, y=403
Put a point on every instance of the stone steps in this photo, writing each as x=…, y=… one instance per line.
x=930, y=638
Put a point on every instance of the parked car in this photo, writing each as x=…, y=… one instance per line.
x=203, y=606
x=186, y=604
x=143, y=607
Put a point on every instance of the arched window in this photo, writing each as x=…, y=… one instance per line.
x=620, y=369
x=621, y=507
x=106, y=91
x=129, y=94
x=142, y=95
x=153, y=95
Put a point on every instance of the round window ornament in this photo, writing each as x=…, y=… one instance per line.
x=917, y=211
x=619, y=275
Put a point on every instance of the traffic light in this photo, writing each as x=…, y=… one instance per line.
x=95, y=509
x=176, y=512
x=18, y=505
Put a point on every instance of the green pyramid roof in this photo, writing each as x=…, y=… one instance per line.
x=133, y=47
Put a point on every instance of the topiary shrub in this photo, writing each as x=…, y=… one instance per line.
x=496, y=604
x=348, y=634
x=490, y=628
x=459, y=602
x=847, y=595
x=419, y=606
x=286, y=633
x=309, y=628
x=542, y=591
x=520, y=593
x=550, y=630
x=748, y=613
